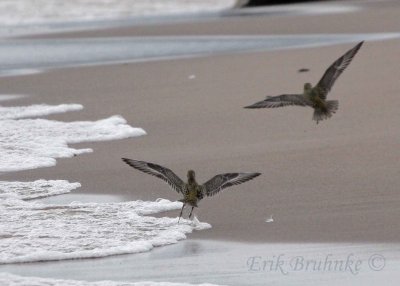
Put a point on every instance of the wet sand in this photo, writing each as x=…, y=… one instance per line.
x=333, y=182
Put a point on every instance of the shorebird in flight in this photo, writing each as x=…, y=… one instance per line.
x=314, y=97
x=191, y=191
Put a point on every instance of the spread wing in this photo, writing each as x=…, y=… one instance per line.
x=335, y=70
x=222, y=181
x=163, y=173
x=282, y=100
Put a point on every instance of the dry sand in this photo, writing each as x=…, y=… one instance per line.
x=336, y=181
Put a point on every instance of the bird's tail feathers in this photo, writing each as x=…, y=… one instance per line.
x=193, y=204
x=325, y=113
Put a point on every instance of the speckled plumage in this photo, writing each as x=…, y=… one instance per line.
x=314, y=97
x=192, y=192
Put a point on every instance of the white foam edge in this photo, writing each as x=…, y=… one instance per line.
x=36, y=143
x=20, y=72
x=36, y=189
x=33, y=232
x=37, y=110
x=8, y=97
x=16, y=280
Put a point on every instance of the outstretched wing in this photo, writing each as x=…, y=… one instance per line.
x=222, y=181
x=335, y=70
x=282, y=100
x=160, y=172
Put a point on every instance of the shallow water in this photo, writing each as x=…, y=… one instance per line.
x=229, y=263
x=40, y=54
x=16, y=280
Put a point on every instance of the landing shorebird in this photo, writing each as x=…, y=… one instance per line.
x=314, y=97
x=191, y=191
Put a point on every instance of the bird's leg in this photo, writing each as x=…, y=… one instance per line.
x=191, y=212
x=180, y=215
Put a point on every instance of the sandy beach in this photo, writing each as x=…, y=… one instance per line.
x=335, y=182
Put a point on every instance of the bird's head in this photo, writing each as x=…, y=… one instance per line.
x=191, y=175
x=307, y=86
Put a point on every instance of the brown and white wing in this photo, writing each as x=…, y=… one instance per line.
x=222, y=181
x=282, y=100
x=158, y=171
x=335, y=70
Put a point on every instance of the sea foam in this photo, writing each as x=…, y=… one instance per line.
x=19, y=12
x=35, y=190
x=17, y=112
x=32, y=231
x=15, y=280
x=34, y=143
